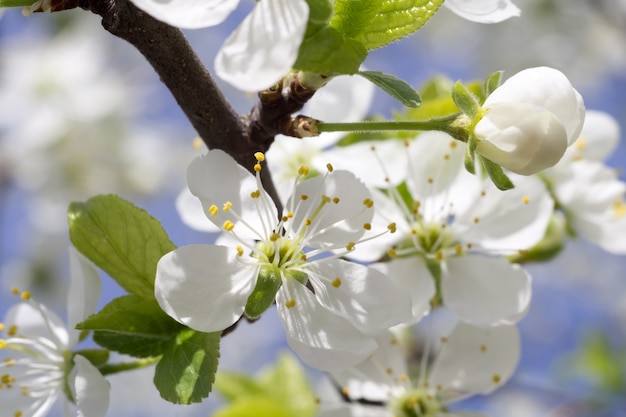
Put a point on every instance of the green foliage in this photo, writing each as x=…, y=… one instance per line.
x=122, y=239
x=327, y=51
x=548, y=247
x=339, y=35
x=16, y=3
x=376, y=23
x=282, y=390
x=395, y=87
x=134, y=326
x=187, y=369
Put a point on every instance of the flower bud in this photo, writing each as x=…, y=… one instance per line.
x=530, y=120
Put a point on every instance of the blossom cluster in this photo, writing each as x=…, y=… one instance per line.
x=363, y=241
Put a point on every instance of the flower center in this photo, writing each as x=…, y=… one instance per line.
x=283, y=255
x=416, y=403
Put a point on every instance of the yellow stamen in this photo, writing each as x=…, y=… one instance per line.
x=213, y=210
x=329, y=167
x=304, y=197
x=350, y=246
x=228, y=225
x=392, y=253
x=259, y=156
x=495, y=378
x=290, y=303
x=257, y=168
x=25, y=295
x=197, y=143
x=255, y=194
x=367, y=226
x=368, y=202
x=525, y=200
x=227, y=205
x=336, y=200
x=12, y=330
x=303, y=170
x=392, y=227
x=239, y=250
x=337, y=282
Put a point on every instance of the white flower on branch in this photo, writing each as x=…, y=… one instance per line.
x=483, y=11
x=452, y=229
x=588, y=192
x=471, y=361
x=529, y=121
x=328, y=306
x=42, y=365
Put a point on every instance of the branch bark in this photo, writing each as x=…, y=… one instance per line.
x=195, y=91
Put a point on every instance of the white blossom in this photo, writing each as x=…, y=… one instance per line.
x=470, y=361
x=328, y=306
x=264, y=46
x=42, y=363
x=483, y=11
x=589, y=193
x=530, y=120
x=452, y=229
x=188, y=14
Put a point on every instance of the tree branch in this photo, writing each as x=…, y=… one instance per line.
x=180, y=69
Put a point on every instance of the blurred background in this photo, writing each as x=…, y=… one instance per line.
x=82, y=114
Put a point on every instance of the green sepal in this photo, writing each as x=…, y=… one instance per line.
x=326, y=51
x=264, y=293
x=97, y=357
x=548, y=247
x=394, y=86
x=17, y=3
x=496, y=173
x=132, y=325
x=376, y=23
x=470, y=155
x=186, y=371
x=434, y=267
x=120, y=238
x=465, y=100
x=492, y=82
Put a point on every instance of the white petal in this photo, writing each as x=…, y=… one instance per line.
x=365, y=296
x=321, y=338
x=33, y=323
x=216, y=178
x=336, y=223
x=521, y=138
x=413, y=275
x=191, y=212
x=435, y=161
x=345, y=98
x=84, y=292
x=485, y=291
x=378, y=378
x=386, y=211
x=204, y=286
x=475, y=360
x=483, y=11
x=90, y=389
x=545, y=88
x=598, y=138
x=370, y=161
x=264, y=46
x=502, y=221
x=188, y=14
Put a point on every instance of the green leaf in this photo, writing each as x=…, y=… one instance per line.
x=465, y=100
x=393, y=20
x=326, y=51
x=395, y=87
x=492, y=82
x=122, y=239
x=496, y=173
x=132, y=325
x=16, y=3
x=352, y=17
x=320, y=11
x=256, y=407
x=234, y=386
x=288, y=384
x=187, y=369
